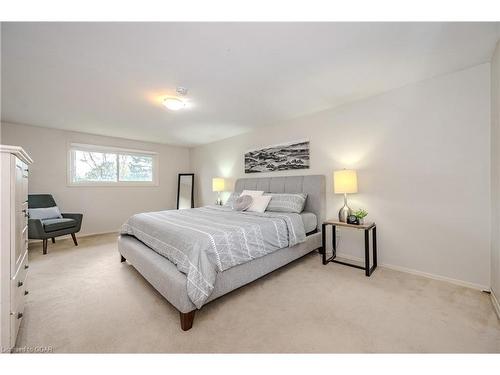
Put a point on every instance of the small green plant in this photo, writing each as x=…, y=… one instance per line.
x=360, y=214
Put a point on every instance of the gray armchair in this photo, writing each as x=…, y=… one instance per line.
x=51, y=228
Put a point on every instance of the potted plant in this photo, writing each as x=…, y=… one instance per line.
x=361, y=214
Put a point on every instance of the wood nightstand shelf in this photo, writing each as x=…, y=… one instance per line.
x=366, y=228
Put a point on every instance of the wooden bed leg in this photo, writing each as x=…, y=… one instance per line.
x=187, y=320
x=122, y=259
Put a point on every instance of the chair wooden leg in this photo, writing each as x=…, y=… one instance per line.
x=44, y=243
x=74, y=239
x=53, y=240
x=187, y=320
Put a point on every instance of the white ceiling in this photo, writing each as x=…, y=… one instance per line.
x=107, y=78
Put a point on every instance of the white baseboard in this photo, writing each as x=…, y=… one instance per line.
x=495, y=303
x=421, y=273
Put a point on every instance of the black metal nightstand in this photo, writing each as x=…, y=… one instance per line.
x=366, y=228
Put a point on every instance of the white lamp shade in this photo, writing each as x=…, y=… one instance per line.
x=218, y=184
x=345, y=181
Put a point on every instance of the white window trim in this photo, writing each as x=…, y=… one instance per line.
x=117, y=150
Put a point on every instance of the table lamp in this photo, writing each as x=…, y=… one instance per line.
x=218, y=186
x=345, y=182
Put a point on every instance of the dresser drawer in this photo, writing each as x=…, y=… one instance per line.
x=15, y=322
x=18, y=297
x=24, y=214
x=21, y=247
x=18, y=282
x=21, y=192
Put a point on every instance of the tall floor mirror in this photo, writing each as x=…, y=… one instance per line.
x=185, y=191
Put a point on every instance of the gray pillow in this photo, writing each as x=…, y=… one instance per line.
x=242, y=203
x=287, y=202
x=234, y=195
x=44, y=213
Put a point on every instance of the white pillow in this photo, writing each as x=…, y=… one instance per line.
x=259, y=203
x=44, y=213
x=252, y=193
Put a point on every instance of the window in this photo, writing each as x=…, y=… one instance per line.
x=104, y=166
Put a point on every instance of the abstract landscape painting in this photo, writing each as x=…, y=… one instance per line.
x=282, y=157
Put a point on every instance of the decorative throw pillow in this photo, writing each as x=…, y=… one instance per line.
x=234, y=195
x=259, y=203
x=242, y=202
x=44, y=213
x=287, y=202
x=253, y=193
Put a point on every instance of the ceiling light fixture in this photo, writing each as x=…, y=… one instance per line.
x=174, y=104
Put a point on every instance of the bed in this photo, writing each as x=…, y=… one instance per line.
x=189, y=290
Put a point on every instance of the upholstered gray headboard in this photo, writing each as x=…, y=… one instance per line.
x=313, y=186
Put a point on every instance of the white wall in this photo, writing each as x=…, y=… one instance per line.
x=495, y=172
x=104, y=208
x=423, y=158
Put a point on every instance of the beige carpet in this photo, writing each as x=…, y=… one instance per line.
x=82, y=299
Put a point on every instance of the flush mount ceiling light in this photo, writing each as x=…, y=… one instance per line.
x=174, y=103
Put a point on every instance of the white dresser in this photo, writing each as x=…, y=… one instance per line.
x=13, y=241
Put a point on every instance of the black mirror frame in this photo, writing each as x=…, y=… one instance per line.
x=179, y=187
